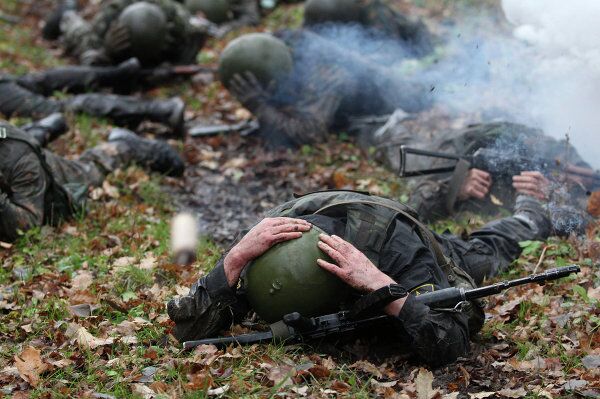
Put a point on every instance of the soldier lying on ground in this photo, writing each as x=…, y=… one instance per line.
x=29, y=96
x=304, y=86
x=471, y=189
x=227, y=14
x=373, y=242
x=376, y=16
x=153, y=31
x=38, y=187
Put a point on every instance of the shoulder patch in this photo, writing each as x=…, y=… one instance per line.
x=422, y=289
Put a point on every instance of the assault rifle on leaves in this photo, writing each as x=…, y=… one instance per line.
x=296, y=328
x=496, y=162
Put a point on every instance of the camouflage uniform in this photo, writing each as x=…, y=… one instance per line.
x=327, y=89
x=435, y=196
x=26, y=96
x=38, y=187
x=86, y=41
x=435, y=336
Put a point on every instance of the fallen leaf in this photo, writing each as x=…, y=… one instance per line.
x=340, y=386
x=424, y=384
x=481, y=395
x=148, y=263
x=368, y=368
x=82, y=280
x=143, y=390
x=591, y=361
x=513, y=393
x=30, y=365
x=81, y=310
x=218, y=391
x=84, y=339
x=281, y=376
x=319, y=372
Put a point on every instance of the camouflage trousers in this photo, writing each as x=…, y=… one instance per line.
x=92, y=166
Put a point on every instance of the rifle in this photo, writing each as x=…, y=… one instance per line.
x=244, y=128
x=163, y=74
x=296, y=328
x=498, y=163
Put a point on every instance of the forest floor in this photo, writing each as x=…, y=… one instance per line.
x=82, y=305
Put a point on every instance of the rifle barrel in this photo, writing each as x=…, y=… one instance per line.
x=255, y=338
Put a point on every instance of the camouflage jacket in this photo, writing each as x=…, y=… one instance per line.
x=29, y=195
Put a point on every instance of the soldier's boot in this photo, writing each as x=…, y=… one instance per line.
x=51, y=28
x=131, y=111
x=48, y=129
x=154, y=154
x=79, y=79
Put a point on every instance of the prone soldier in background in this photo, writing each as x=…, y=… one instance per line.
x=302, y=86
x=378, y=17
x=39, y=187
x=153, y=31
x=30, y=96
x=565, y=178
x=226, y=14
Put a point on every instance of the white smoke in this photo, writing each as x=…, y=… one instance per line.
x=565, y=67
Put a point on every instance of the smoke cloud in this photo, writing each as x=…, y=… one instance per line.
x=545, y=73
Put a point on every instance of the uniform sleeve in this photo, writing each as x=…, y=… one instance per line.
x=437, y=337
x=307, y=120
x=23, y=207
x=210, y=307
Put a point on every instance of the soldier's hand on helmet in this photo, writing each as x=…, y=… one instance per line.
x=351, y=265
x=257, y=241
x=117, y=39
x=476, y=185
x=533, y=184
x=248, y=90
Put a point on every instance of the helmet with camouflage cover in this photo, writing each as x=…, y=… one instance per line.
x=146, y=25
x=260, y=53
x=216, y=11
x=320, y=11
x=287, y=279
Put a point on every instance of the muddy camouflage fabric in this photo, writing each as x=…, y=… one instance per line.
x=326, y=89
x=436, y=337
x=86, y=40
x=26, y=198
x=432, y=196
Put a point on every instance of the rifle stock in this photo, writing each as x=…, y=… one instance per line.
x=294, y=327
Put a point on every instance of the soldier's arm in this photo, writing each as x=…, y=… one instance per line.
x=437, y=337
x=23, y=207
x=307, y=121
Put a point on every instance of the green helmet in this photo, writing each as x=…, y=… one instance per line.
x=287, y=279
x=320, y=11
x=146, y=24
x=216, y=11
x=260, y=53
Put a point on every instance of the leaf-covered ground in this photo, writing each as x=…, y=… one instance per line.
x=82, y=305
